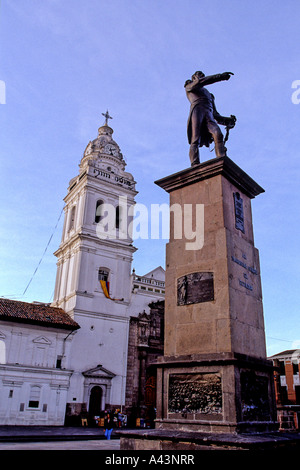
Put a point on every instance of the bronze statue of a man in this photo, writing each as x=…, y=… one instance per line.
x=202, y=126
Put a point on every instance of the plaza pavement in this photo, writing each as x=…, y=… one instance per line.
x=55, y=438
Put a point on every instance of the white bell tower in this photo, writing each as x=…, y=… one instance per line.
x=85, y=257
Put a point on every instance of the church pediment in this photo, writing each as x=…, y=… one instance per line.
x=99, y=372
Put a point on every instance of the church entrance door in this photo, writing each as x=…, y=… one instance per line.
x=95, y=401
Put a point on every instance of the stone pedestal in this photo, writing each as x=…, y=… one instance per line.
x=214, y=375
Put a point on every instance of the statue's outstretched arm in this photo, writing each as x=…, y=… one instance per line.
x=219, y=77
x=203, y=81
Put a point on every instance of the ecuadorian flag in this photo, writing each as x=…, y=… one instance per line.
x=105, y=288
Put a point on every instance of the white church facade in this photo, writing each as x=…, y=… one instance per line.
x=95, y=284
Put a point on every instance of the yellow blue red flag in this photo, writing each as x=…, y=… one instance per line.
x=105, y=288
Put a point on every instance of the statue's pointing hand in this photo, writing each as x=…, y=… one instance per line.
x=232, y=121
x=226, y=75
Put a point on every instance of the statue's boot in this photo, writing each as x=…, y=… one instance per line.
x=220, y=148
x=194, y=154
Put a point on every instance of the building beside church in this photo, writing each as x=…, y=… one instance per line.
x=96, y=289
x=35, y=342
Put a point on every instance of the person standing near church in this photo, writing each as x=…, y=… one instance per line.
x=108, y=426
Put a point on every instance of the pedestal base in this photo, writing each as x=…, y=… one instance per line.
x=162, y=440
x=217, y=393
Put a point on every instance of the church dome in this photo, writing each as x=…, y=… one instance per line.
x=103, y=149
x=104, y=143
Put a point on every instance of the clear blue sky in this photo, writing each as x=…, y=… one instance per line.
x=64, y=62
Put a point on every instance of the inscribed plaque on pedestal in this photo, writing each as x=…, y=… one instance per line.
x=195, y=288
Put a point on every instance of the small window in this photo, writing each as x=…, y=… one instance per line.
x=281, y=368
x=45, y=406
x=10, y=395
x=103, y=275
x=58, y=362
x=22, y=406
x=34, y=398
x=33, y=404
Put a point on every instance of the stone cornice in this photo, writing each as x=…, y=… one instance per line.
x=217, y=166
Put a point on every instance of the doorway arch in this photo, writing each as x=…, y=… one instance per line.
x=95, y=401
x=97, y=380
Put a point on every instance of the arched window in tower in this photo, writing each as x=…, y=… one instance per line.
x=99, y=211
x=72, y=218
x=118, y=217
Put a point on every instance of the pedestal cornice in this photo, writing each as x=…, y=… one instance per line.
x=217, y=166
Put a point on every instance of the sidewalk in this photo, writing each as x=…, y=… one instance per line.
x=50, y=433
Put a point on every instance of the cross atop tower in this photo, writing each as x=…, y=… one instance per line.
x=107, y=117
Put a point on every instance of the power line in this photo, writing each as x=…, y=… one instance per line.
x=279, y=339
x=51, y=298
x=44, y=252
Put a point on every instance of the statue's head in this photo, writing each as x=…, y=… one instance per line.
x=198, y=74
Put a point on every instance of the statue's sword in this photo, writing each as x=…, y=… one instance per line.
x=228, y=127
